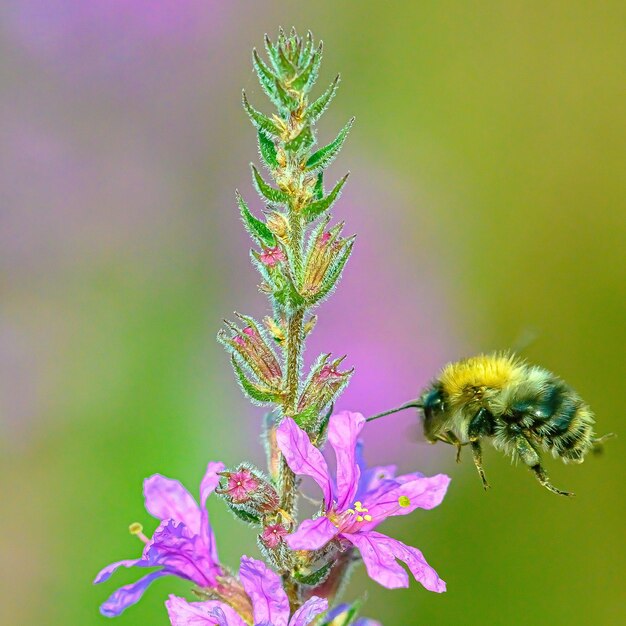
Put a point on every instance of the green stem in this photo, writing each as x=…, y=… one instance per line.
x=295, y=344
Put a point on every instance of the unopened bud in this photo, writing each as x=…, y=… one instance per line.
x=272, y=535
x=240, y=485
x=325, y=383
x=275, y=330
x=250, y=345
x=278, y=224
x=272, y=256
x=246, y=486
x=310, y=325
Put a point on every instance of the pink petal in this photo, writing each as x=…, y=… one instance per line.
x=207, y=487
x=312, y=534
x=309, y=611
x=343, y=431
x=416, y=492
x=303, y=457
x=167, y=499
x=183, y=613
x=379, y=554
x=128, y=595
x=105, y=573
x=265, y=590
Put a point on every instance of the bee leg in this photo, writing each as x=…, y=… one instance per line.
x=481, y=425
x=531, y=458
x=542, y=477
x=458, y=451
x=478, y=462
x=452, y=439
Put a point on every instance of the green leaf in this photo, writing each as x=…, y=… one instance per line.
x=323, y=425
x=255, y=226
x=307, y=49
x=266, y=78
x=277, y=57
x=272, y=52
x=316, y=577
x=262, y=122
x=245, y=516
x=331, y=278
x=307, y=418
x=287, y=70
x=266, y=191
x=302, y=142
x=305, y=80
x=285, y=99
x=315, y=209
x=315, y=110
x=318, y=191
x=253, y=391
x=267, y=148
x=324, y=156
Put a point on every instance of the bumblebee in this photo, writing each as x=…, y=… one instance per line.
x=521, y=409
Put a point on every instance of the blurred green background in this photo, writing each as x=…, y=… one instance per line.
x=488, y=179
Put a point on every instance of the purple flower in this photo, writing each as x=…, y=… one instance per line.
x=358, y=500
x=270, y=605
x=183, y=545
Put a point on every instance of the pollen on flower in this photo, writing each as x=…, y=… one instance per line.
x=404, y=501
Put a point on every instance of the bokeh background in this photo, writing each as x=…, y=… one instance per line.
x=487, y=189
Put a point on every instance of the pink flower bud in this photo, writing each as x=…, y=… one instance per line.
x=247, y=488
x=272, y=256
x=272, y=535
x=240, y=485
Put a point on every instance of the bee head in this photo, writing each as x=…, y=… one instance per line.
x=433, y=406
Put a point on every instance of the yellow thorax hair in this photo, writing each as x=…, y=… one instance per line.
x=465, y=379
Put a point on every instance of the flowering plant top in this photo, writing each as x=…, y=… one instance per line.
x=300, y=255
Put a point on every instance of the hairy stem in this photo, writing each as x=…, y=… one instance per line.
x=294, y=351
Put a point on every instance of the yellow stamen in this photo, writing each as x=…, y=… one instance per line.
x=359, y=518
x=404, y=501
x=368, y=518
x=358, y=506
x=137, y=529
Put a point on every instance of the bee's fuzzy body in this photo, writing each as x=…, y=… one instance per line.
x=522, y=409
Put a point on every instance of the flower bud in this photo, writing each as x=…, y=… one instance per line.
x=249, y=344
x=325, y=382
x=310, y=325
x=325, y=260
x=272, y=256
x=278, y=224
x=272, y=535
x=247, y=488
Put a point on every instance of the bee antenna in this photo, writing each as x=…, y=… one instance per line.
x=413, y=404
